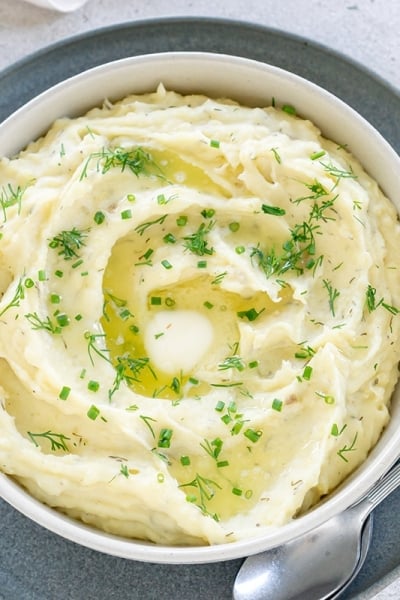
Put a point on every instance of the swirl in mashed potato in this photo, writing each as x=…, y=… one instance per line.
x=199, y=334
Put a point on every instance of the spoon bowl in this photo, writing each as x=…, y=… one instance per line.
x=319, y=564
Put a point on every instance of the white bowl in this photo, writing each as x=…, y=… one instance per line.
x=250, y=83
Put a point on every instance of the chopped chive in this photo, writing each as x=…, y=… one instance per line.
x=232, y=407
x=289, y=109
x=126, y=214
x=62, y=319
x=214, y=143
x=166, y=264
x=237, y=491
x=82, y=374
x=55, y=298
x=161, y=199
x=84, y=273
x=131, y=197
x=240, y=249
x=93, y=412
x=59, y=274
x=193, y=381
x=202, y=264
x=326, y=397
x=234, y=226
x=169, y=301
x=169, y=238
x=155, y=300
x=250, y=315
x=273, y=210
x=335, y=431
x=226, y=419
x=160, y=477
x=29, y=282
x=77, y=264
x=208, y=213
x=164, y=439
x=307, y=373
x=253, y=435
x=219, y=407
x=185, y=461
x=147, y=254
x=237, y=427
x=277, y=404
x=181, y=221
x=99, y=217
x=222, y=463
x=208, y=304
x=64, y=393
x=93, y=386
x=316, y=155
x=248, y=494
x=253, y=364
x=42, y=275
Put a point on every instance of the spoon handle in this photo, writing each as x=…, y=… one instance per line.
x=383, y=487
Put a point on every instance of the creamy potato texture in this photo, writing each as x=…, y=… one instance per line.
x=199, y=329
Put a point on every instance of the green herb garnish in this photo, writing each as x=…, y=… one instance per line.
x=273, y=210
x=19, y=295
x=45, y=324
x=57, y=440
x=69, y=242
x=333, y=294
x=343, y=451
x=197, y=242
x=136, y=160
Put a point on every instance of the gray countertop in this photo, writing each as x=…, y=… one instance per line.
x=366, y=31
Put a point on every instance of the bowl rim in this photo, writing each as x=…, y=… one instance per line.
x=381, y=457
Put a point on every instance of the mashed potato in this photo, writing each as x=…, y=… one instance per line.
x=199, y=329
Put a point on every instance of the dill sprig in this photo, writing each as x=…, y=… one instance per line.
x=347, y=448
x=206, y=489
x=93, y=347
x=338, y=172
x=197, y=243
x=57, y=440
x=11, y=196
x=140, y=229
x=16, y=299
x=333, y=294
x=298, y=252
x=128, y=370
x=69, y=242
x=373, y=304
x=213, y=448
x=232, y=362
x=136, y=160
x=45, y=324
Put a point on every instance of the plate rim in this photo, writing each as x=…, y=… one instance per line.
x=92, y=34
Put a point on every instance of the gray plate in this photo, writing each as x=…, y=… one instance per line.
x=35, y=564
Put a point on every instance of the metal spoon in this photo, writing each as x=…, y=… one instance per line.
x=366, y=536
x=318, y=564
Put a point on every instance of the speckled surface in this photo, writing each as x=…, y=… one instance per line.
x=34, y=563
